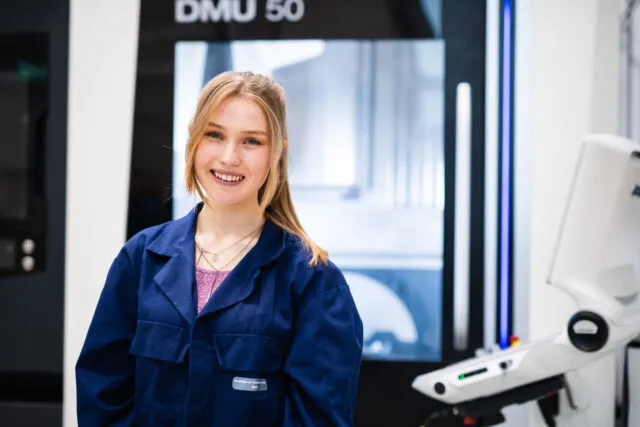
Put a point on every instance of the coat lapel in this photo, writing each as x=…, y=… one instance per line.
x=176, y=279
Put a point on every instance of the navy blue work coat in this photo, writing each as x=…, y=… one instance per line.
x=278, y=344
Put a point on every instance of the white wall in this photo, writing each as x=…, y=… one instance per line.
x=102, y=64
x=567, y=86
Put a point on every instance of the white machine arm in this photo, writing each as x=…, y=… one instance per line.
x=489, y=375
x=596, y=262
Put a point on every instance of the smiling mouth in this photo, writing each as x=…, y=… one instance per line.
x=226, y=177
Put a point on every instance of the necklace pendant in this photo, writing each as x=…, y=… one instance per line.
x=214, y=258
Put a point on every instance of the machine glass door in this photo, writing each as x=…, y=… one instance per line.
x=386, y=112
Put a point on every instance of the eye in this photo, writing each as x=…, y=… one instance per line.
x=252, y=141
x=214, y=134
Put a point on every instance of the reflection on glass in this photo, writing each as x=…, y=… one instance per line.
x=366, y=130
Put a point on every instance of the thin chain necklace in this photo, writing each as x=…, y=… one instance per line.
x=217, y=271
x=216, y=255
x=202, y=252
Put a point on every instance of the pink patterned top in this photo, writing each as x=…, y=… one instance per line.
x=207, y=281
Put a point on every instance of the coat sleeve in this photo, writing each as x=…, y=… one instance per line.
x=323, y=363
x=105, y=369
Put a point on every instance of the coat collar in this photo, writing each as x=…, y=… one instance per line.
x=177, y=277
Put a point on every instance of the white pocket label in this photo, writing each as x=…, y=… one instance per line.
x=249, y=384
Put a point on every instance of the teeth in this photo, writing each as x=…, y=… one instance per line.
x=228, y=178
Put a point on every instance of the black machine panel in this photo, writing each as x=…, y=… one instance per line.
x=33, y=120
x=24, y=89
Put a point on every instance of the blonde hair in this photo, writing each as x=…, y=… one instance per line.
x=274, y=198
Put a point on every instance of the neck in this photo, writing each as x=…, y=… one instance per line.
x=226, y=222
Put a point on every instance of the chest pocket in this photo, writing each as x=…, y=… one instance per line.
x=249, y=353
x=159, y=341
x=161, y=373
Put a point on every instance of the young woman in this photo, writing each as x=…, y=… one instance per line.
x=230, y=316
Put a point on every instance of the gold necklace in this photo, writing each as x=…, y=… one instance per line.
x=202, y=255
x=218, y=271
x=216, y=255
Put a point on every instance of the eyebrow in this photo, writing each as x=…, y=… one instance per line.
x=253, y=132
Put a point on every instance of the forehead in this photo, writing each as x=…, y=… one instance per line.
x=239, y=112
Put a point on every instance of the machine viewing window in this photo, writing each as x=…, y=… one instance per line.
x=14, y=132
x=366, y=137
x=23, y=99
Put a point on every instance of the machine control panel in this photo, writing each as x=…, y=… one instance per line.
x=20, y=255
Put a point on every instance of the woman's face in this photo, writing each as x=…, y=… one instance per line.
x=232, y=159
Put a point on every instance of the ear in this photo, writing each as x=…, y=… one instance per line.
x=284, y=143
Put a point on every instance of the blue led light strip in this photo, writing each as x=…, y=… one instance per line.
x=505, y=185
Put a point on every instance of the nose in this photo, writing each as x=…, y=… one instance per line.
x=230, y=155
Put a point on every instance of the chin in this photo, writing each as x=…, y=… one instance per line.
x=228, y=199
